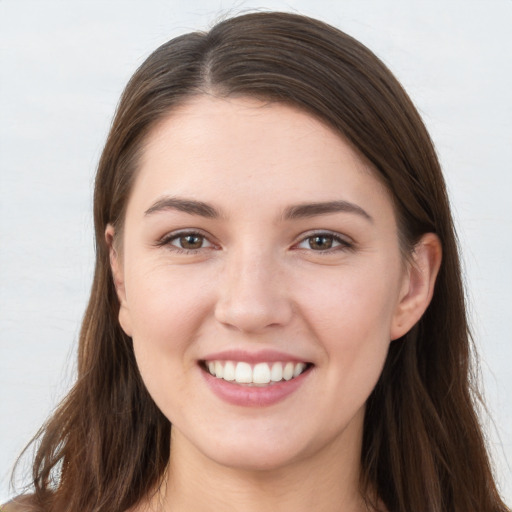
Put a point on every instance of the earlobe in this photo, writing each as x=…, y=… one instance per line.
x=418, y=286
x=118, y=277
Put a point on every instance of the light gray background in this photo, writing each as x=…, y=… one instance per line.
x=63, y=65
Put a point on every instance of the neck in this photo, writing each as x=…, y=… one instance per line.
x=326, y=482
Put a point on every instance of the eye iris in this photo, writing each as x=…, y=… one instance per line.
x=191, y=241
x=320, y=242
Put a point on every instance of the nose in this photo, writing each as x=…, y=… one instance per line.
x=253, y=295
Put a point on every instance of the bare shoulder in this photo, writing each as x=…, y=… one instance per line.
x=11, y=507
x=18, y=504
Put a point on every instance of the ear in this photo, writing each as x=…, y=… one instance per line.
x=418, y=285
x=116, y=266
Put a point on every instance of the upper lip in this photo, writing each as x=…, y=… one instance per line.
x=262, y=356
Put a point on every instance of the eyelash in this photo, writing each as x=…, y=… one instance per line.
x=343, y=243
x=167, y=240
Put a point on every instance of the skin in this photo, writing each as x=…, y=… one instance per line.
x=257, y=281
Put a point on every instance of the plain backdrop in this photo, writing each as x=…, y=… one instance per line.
x=63, y=65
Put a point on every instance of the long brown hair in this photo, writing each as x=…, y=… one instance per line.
x=107, y=445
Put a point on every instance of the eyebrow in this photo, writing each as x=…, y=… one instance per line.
x=305, y=210
x=190, y=206
x=299, y=211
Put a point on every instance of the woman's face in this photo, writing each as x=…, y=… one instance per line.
x=258, y=246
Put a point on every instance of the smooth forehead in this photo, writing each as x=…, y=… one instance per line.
x=212, y=145
x=246, y=123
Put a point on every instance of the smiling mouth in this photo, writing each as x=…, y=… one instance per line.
x=260, y=374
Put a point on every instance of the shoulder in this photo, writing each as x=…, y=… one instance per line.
x=11, y=507
x=18, y=504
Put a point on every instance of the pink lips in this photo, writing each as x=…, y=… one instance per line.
x=252, y=396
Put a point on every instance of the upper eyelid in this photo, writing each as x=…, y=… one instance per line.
x=183, y=232
x=318, y=232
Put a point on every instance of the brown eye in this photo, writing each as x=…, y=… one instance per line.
x=324, y=243
x=186, y=241
x=191, y=241
x=320, y=242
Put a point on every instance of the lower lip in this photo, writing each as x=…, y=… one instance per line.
x=253, y=396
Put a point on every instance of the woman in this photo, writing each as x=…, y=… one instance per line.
x=277, y=277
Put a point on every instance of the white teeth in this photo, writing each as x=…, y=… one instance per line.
x=243, y=373
x=229, y=371
x=277, y=372
x=299, y=368
x=219, y=369
x=288, y=371
x=261, y=373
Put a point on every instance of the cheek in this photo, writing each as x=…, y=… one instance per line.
x=166, y=311
x=165, y=304
x=353, y=305
x=351, y=316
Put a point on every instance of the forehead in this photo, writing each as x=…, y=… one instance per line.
x=214, y=149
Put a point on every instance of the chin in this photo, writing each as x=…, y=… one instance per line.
x=258, y=452
x=255, y=461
